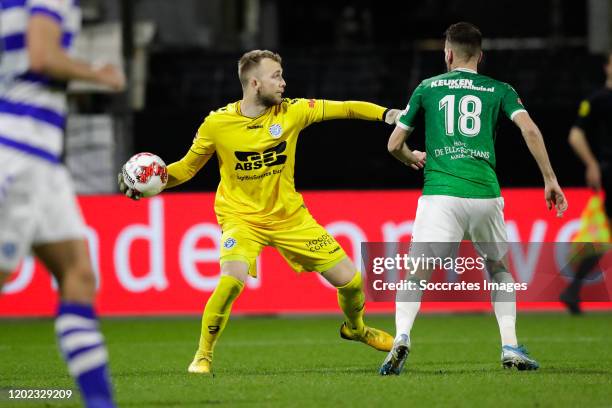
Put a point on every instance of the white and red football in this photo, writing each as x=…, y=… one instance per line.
x=145, y=173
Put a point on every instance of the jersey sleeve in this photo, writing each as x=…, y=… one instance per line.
x=583, y=119
x=316, y=110
x=408, y=116
x=203, y=142
x=202, y=147
x=352, y=110
x=184, y=169
x=511, y=103
x=55, y=9
x=307, y=111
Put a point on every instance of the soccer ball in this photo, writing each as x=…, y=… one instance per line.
x=145, y=173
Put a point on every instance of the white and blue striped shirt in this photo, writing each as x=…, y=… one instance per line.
x=33, y=106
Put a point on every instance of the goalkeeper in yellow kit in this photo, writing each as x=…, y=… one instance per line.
x=256, y=203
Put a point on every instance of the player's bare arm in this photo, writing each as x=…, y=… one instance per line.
x=533, y=137
x=47, y=56
x=577, y=139
x=398, y=148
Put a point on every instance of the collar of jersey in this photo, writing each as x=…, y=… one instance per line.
x=239, y=111
x=465, y=70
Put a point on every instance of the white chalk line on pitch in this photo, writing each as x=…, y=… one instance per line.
x=561, y=339
x=240, y=343
x=582, y=339
x=307, y=342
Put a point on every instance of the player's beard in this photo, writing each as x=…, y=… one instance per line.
x=266, y=100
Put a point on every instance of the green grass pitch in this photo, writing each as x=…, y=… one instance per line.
x=263, y=361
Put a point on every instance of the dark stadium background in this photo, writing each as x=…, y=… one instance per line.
x=361, y=50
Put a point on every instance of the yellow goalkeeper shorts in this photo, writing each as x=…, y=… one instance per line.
x=304, y=244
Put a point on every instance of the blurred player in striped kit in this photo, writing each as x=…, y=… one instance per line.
x=38, y=208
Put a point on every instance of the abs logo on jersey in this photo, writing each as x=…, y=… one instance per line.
x=255, y=160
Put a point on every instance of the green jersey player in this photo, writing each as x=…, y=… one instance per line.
x=461, y=195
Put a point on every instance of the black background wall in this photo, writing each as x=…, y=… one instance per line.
x=352, y=154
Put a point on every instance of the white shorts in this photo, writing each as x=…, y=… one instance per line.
x=441, y=218
x=37, y=206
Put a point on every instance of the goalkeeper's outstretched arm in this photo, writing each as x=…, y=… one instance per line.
x=178, y=173
x=358, y=110
x=184, y=169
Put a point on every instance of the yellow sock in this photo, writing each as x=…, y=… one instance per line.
x=217, y=312
x=352, y=302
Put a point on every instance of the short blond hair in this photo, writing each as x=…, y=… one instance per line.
x=251, y=60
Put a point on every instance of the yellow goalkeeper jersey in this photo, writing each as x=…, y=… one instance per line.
x=257, y=155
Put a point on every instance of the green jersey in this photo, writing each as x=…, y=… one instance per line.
x=461, y=109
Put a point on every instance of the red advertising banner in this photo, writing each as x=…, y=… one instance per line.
x=159, y=256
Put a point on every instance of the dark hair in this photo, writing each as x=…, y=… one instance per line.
x=250, y=60
x=466, y=39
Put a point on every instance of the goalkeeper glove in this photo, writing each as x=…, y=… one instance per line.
x=129, y=192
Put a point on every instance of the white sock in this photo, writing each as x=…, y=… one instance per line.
x=405, y=313
x=505, y=312
x=504, y=304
